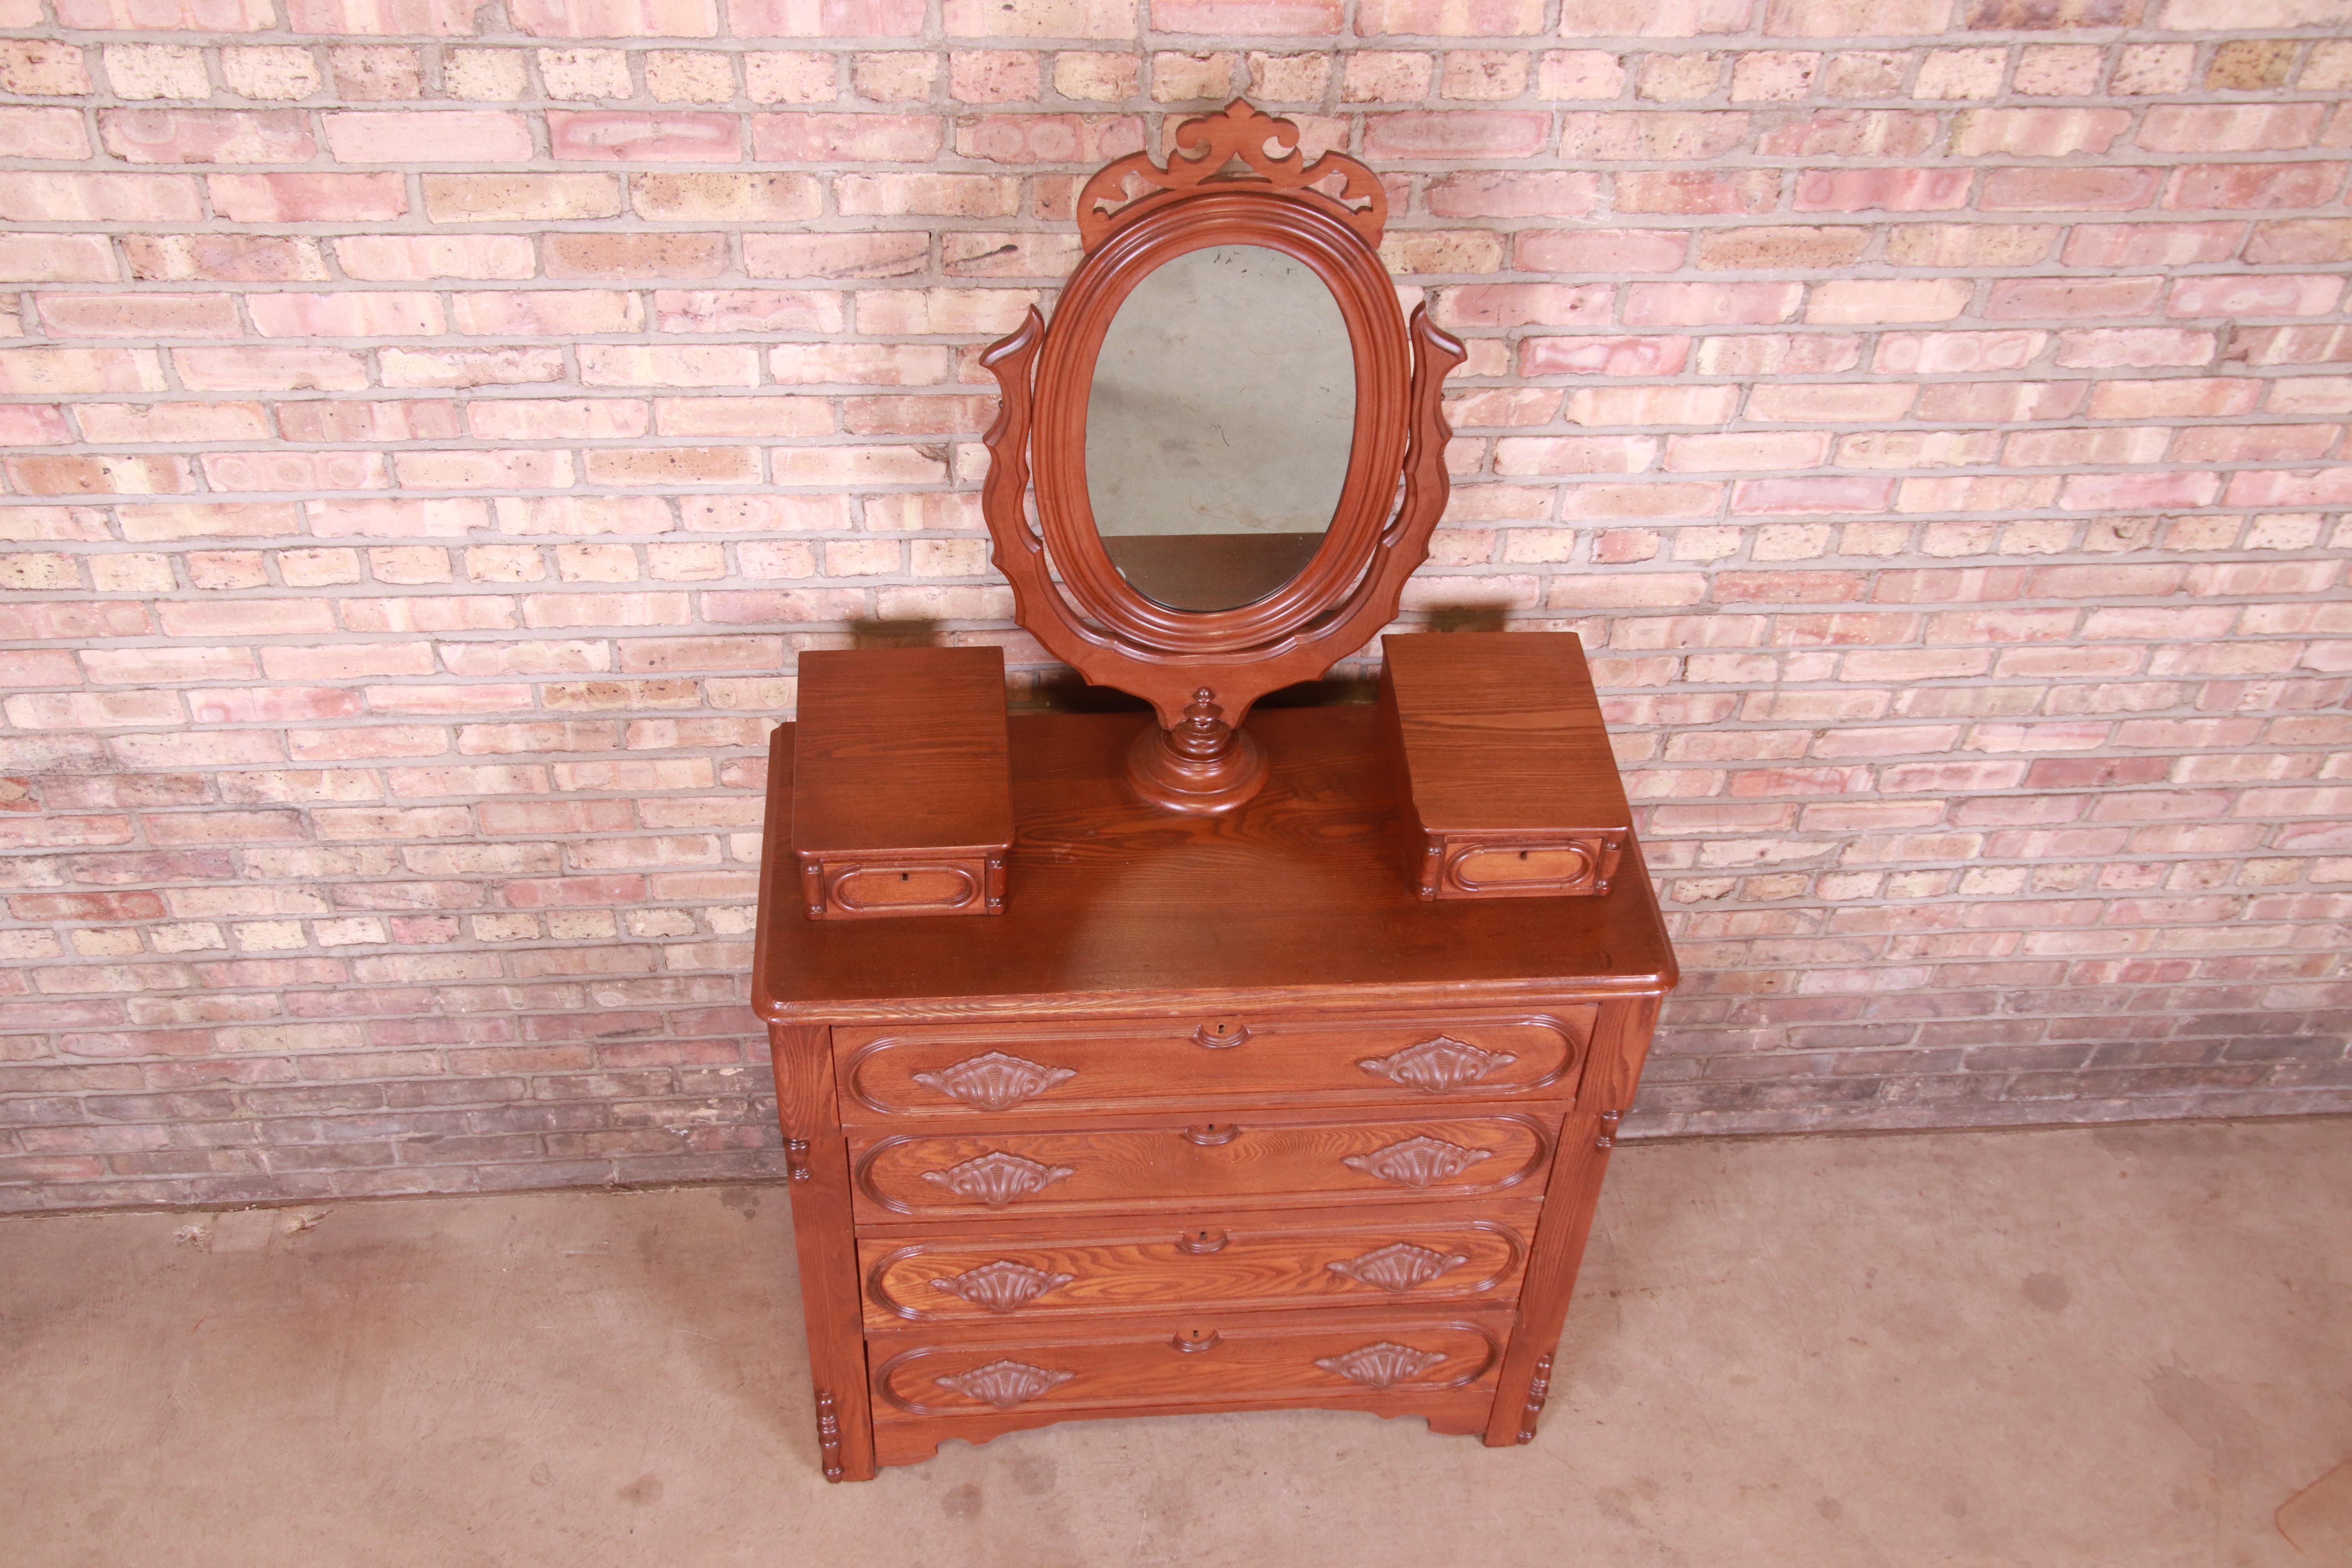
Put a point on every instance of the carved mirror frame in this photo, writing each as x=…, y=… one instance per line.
x=1235, y=178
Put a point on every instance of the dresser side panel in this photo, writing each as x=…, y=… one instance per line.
x=825, y=1237
x=1585, y=1140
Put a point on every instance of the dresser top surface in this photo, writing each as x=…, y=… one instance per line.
x=1297, y=898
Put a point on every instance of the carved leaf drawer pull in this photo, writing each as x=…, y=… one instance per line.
x=995, y=1081
x=1003, y=1286
x=1416, y=1162
x=1435, y=1066
x=1383, y=1365
x=1005, y=1384
x=996, y=1178
x=1397, y=1268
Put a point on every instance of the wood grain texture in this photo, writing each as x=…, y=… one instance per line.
x=1177, y=1359
x=1550, y=1280
x=1620, y=1040
x=1502, y=730
x=1291, y=904
x=901, y=804
x=1177, y=1166
x=1234, y=1262
x=1505, y=778
x=823, y=1240
x=900, y=749
x=1165, y=1096
x=1170, y=934
x=1005, y=1073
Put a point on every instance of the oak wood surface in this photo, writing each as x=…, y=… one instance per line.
x=1502, y=730
x=1175, y=1359
x=1233, y=1262
x=1290, y=903
x=1588, y=1134
x=1177, y=1166
x=1211, y=988
x=1504, y=779
x=825, y=1241
x=1018, y=1073
x=900, y=749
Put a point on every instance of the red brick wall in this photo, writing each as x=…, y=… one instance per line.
x=431, y=434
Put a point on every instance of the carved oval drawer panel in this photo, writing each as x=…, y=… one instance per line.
x=1175, y=1168
x=990, y=1071
x=1175, y=1363
x=863, y=888
x=1236, y=1265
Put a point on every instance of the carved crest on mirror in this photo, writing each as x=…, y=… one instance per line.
x=1255, y=490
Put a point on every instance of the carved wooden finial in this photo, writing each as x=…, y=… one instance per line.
x=1237, y=146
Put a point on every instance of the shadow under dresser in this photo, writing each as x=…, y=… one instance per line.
x=1216, y=1115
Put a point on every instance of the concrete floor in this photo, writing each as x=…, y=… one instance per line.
x=2127, y=1346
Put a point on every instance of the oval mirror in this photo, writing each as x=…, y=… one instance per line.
x=1219, y=426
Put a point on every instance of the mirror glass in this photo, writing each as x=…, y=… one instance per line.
x=1219, y=426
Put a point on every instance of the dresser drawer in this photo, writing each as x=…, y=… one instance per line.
x=982, y=1071
x=1176, y=1168
x=1179, y=1362
x=1229, y=1261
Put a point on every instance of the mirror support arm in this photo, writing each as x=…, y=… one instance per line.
x=1019, y=553
x=1435, y=354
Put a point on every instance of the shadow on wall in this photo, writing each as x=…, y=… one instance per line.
x=896, y=634
x=1467, y=618
x=1061, y=691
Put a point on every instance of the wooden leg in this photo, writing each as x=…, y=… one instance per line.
x=1551, y=1278
x=836, y=1338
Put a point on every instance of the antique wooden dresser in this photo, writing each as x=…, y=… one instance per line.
x=1216, y=1115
